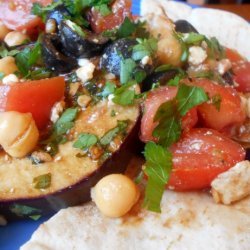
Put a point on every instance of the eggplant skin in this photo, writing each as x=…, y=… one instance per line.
x=184, y=26
x=53, y=56
x=114, y=53
x=80, y=192
x=86, y=46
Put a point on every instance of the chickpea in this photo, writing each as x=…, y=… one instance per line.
x=8, y=65
x=115, y=195
x=18, y=133
x=15, y=38
x=3, y=31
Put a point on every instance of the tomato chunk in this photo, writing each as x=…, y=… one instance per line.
x=200, y=156
x=242, y=76
x=120, y=10
x=230, y=110
x=35, y=97
x=15, y=14
x=153, y=102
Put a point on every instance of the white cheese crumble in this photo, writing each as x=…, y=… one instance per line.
x=223, y=66
x=56, y=111
x=86, y=70
x=146, y=60
x=232, y=185
x=197, y=55
x=9, y=79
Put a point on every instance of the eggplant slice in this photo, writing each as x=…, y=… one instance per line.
x=72, y=176
x=53, y=55
x=79, y=42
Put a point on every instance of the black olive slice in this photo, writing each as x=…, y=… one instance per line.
x=53, y=56
x=184, y=26
x=81, y=43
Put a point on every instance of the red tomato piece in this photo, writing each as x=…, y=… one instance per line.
x=231, y=111
x=35, y=97
x=15, y=14
x=200, y=156
x=153, y=102
x=233, y=55
x=242, y=76
x=120, y=10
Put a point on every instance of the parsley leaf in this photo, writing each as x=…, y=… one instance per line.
x=22, y=210
x=42, y=181
x=124, y=95
x=103, y=9
x=126, y=29
x=188, y=97
x=127, y=67
x=146, y=47
x=215, y=51
x=111, y=134
x=168, y=129
x=5, y=52
x=85, y=141
x=158, y=168
x=108, y=89
x=175, y=81
x=193, y=38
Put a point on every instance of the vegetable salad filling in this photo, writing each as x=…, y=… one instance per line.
x=73, y=75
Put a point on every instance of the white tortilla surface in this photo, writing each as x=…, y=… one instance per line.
x=188, y=221
x=230, y=29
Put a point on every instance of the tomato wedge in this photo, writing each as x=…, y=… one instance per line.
x=153, y=102
x=200, y=156
x=230, y=110
x=35, y=97
x=15, y=14
x=120, y=10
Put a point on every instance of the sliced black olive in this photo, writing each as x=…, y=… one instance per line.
x=160, y=77
x=53, y=56
x=114, y=53
x=58, y=14
x=184, y=26
x=81, y=43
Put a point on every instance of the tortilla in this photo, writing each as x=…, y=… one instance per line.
x=188, y=221
x=209, y=22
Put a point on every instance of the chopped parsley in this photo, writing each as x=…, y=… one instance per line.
x=193, y=38
x=158, y=169
x=127, y=67
x=23, y=210
x=103, y=9
x=125, y=95
x=85, y=141
x=108, y=89
x=42, y=181
x=5, y=52
x=127, y=28
x=145, y=47
x=111, y=134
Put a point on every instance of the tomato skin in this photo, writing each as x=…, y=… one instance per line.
x=120, y=10
x=15, y=14
x=199, y=156
x=231, y=111
x=35, y=97
x=242, y=76
x=233, y=55
x=153, y=102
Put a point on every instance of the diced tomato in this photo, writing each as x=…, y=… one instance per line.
x=242, y=76
x=233, y=55
x=120, y=10
x=200, y=156
x=35, y=97
x=15, y=14
x=153, y=102
x=230, y=109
